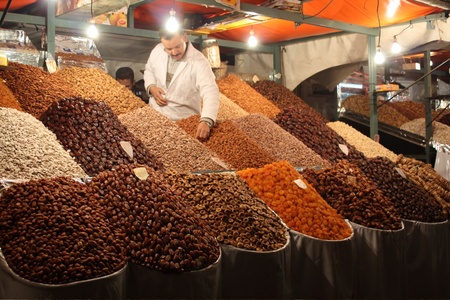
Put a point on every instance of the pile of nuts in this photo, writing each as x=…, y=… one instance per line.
x=7, y=98
x=386, y=114
x=77, y=57
x=229, y=110
x=354, y=196
x=92, y=133
x=168, y=142
x=246, y=97
x=54, y=232
x=161, y=230
x=283, y=98
x=278, y=142
x=232, y=145
x=107, y=89
x=235, y=214
x=441, y=132
x=410, y=109
x=30, y=151
x=296, y=201
x=315, y=134
x=361, y=142
x=445, y=119
x=36, y=89
x=411, y=201
x=425, y=176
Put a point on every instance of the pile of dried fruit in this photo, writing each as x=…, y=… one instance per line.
x=233, y=146
x=93, y=135
x=246, y=97
x=235, y=214
x=53, y=232
x=107, y=89
x=353, y=195
x=168, y=142
x=7, y=98
x=315, y=134
x=30, y=151
x=161, y=230
x=410, y=109
x=295, y=201
x=36, y=89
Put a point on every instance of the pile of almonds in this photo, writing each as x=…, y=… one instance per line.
x=53, y=231
x=7, y=98
x=354, y=196
x=168, y=142
x=30, y=151
x=235, y=214
x=161, y=230
x=232, y=145
x=94, y=135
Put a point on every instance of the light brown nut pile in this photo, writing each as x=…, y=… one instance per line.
x=93, y=135
x=161, y=230
x=386, y=114
x=315, y=134
x=354, y=196
x=410, y=109
x=77, y=57
x=7, y=98
x=233, y=146
x=54, y=232
x=168, y=142
x=235, y=214
x=30, y=151
x=229, y=110
x=411, y=201
x=283, y=98
x=441, y=132
x=36, y=89
x=246, y=97
x=278, y=142
x=361, y=142
x=425, y=176
x=96, y=84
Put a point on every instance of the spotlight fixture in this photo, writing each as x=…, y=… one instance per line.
x=252, y=40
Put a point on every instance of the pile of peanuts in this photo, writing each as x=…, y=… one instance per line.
x=361, y=142
x=229, y=110
x=7, y=98
x=161, y=230
x=296, y=201
x=30, y=151
x=354, y=196
x=283, y=98
x=441, y=132
x=411, y=201
x=246, y=97
x=36, y=89
x=54, y=232
x=316, y=135
x=232, y=145
x=278, y=142
x=235, y=214
x=168, y=142
x=107, y=89
x=93, y=135
x=410, y=109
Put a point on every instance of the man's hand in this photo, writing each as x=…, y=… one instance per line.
x=203, y=131
x=158, y=94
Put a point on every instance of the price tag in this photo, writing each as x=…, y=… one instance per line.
x=351, y=180
x=126, y=146
x=300, y=183
x=141, y=173
x=400, y=171
x=255, y=79
x=376, y=138
x=344, y=148
x=219, y=162
x=51, y=65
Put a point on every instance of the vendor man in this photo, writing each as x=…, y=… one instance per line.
x=181, y=83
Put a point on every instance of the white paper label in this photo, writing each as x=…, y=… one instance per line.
x=376, y=138
x=300, y=183
x=400, y=171
x=255, y=79
x=126, y=146
x=141, y=173
x=344, y=148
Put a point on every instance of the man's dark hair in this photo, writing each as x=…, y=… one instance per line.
x=125, y=73
x=167, y=35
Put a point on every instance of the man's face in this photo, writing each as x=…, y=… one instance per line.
x=176, y=46
x=128, y=83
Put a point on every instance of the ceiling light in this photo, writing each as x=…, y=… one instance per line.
x=252, y=40
x=92, y=31
x=395, y=46
x=379, y=57
x=392, y=7
x=172, y=24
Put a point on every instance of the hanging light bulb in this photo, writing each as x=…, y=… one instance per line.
x=92, y=31
x=379, y=57
x=395, y=46
x=252, y=40
x=172, y=24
